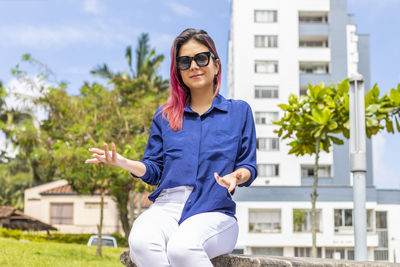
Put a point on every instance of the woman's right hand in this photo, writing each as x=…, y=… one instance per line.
x=105, y=156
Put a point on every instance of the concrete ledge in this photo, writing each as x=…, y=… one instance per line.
x=266, y=261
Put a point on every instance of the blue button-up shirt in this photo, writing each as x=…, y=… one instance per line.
x=221, y=140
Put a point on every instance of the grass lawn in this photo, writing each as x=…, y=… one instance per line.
x=35, y=254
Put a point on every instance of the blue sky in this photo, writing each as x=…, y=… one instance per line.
x=73, y=36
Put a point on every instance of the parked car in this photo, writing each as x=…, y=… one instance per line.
x=106, y=240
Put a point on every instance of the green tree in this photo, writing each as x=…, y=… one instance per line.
x=147, y=66
x=317, y=120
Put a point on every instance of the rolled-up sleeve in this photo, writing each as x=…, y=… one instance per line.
x=153, y=154
x=247, y=156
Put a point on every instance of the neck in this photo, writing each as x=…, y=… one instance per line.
x=201, y=99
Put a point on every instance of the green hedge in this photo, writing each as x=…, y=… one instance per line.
x=56, y=237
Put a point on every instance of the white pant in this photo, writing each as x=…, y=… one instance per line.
x=156, y=239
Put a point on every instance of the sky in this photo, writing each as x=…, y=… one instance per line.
x=73, y=36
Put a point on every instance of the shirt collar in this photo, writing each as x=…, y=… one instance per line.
x=219, y=102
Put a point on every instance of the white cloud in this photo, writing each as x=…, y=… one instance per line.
x=61, y=36
x=93, y=7
x=180, y=9
x=384, y=176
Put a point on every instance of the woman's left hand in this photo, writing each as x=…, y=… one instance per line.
x=229, y=181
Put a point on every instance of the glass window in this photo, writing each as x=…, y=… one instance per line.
x=335, y=253
x=381, y=255
x=381, y=222
x=344, y=220
x=264, y=221
x=268, y=144
x=308, y=171
x=306, y=252
x=314, y=67
x=267, y=251
x=268, y=170
x=265, y=41
x=302, y=220
x=61, y=213
x=265, y=16
x=313, y=17
x=266, y=92
x=266, y=117
x=266, y=66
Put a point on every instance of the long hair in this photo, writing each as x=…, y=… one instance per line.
x=179, y=93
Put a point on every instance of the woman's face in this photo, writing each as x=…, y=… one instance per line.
x=198, y=78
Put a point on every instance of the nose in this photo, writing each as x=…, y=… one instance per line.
x=193, y=65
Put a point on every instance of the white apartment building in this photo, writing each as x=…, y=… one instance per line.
x=277, y=47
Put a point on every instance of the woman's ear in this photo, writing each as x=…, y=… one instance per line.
x=217, y=65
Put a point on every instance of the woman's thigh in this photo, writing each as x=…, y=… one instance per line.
x=215, y=232
x=153, y=227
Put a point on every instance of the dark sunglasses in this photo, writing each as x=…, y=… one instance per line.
x=202, y=59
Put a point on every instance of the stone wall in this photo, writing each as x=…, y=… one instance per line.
x=269, y=261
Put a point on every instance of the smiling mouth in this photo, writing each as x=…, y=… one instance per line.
x=196, y=76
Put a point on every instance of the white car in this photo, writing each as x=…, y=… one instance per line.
x=106, y=240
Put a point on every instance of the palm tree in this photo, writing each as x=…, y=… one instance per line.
x=147, y=65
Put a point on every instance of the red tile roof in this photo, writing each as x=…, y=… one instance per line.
x=6, y=211
x=64, y=190
x=15, y=219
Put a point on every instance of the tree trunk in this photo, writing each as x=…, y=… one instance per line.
x=123, y=215
x=100, y=226
x=314, y=196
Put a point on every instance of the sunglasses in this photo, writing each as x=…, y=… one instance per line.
x=202, y=59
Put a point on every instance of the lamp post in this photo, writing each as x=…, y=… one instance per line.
x=358, y=166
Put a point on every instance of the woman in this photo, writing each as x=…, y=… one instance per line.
x=195, y=136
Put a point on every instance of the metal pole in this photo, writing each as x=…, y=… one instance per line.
x=358, y=165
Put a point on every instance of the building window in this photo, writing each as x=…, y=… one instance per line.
x=268, y=170
x=268, y=144
x=313, y=17
x=266, y=92
x=237, y=251
x=313, y=41
x=308, y=171
x=267, y=251
x=266, y=66
x=305, y=252
x=302, y=220
x=339, y=253
x=266, y=117
x=265, y=41
x=314, y=67
x=381, y=252
x=381, y=222
x=264, y=221
x=344, y=220
x=61, y=213
x=266, y=16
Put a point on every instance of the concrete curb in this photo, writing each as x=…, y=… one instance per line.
x=275, y=261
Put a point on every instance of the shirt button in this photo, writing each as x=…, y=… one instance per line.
x=190, y=201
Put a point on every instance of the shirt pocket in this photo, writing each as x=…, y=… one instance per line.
x=173, y=144
x=222, y=144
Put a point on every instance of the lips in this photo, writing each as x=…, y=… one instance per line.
x=196, y=76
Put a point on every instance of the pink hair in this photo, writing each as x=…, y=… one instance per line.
x=174, y=107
